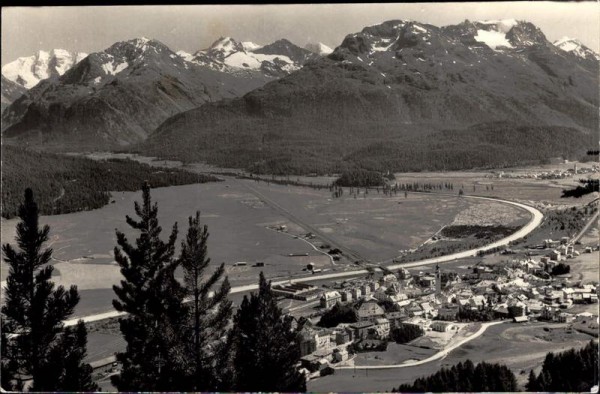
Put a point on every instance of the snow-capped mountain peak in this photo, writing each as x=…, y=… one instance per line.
x=318, y=48
x=575, y=47
x=226, y=45
x=274, y=60
x=501, y=25
x=138, y=56
x=250, y=46
x=28, y=71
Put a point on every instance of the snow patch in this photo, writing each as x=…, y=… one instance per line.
x=380, y=48
x=420, y=29
x=185, y=55
x=493, y=39
x=250, y=46
x=324, y=49
x=112, y=69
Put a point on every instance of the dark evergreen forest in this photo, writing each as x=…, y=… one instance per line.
x=66, y=184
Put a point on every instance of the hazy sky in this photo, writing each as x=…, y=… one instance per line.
x=89, y=29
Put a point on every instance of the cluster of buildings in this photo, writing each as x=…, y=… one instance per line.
x=437, y=301
x=554, y=174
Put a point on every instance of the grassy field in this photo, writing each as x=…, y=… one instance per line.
x=377, y=227
x=395, y=354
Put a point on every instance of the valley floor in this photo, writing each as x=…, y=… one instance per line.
x=242, y=229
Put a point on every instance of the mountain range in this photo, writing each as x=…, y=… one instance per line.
x=118, y=96
x=388, y=96
x=277, y=59
x=398, y=95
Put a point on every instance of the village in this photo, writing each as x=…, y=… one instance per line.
x=437, y=308
x=563, y=173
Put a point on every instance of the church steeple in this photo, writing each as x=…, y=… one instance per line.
x=438, y=281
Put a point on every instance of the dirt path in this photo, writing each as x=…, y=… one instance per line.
x=60, y=195
x=593, y=220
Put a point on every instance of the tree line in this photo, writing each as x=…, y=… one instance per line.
x=180, y=336
x=66, y=184
x=589, y=186
x=360, y=178
x=571, y=370
x=465, y=377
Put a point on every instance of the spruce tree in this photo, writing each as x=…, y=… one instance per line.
x=266, y=348
x=34, y=340
x=68, y=365
x=208, y=314
x=154, y=359
x=531, y=382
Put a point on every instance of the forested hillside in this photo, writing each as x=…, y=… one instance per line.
x=465, y=376
x=64, y=184
x=490, y=145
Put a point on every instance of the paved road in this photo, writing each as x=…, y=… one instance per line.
x=437, y=356
x=535, y=221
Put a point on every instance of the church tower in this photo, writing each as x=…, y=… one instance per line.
x=438, y=281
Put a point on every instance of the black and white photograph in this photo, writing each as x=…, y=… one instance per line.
x=384, y=197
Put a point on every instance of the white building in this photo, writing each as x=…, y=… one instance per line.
x=330, y=298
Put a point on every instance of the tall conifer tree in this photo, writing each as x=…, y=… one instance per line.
x=208, y=314
x=34, y=340
x=152, y=297
x=267, y=350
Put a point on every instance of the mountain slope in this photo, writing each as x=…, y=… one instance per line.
x=116, y=97
x=29, y=71
x=396, y=82
x=10, y=92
